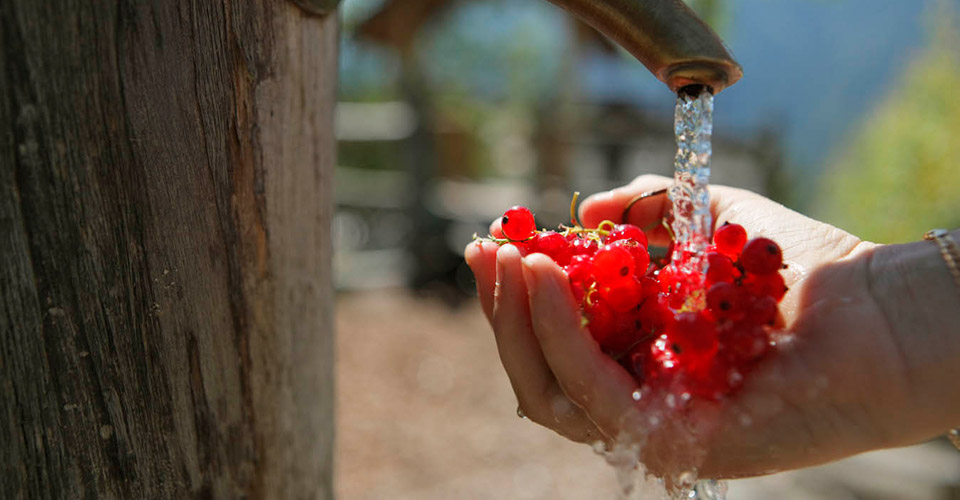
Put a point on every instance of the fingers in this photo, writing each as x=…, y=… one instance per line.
x=645, y=213
x=481, y=256
x=587, y=376
x=536, y=388
x=495, y=229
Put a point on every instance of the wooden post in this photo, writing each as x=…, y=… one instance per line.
x=165, y=206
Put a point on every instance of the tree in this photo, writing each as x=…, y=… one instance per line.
x=165, y=202
x=898, y=175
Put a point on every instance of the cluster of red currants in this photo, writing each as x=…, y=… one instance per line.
x=698, y=333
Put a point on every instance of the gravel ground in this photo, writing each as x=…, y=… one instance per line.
x=425, y=412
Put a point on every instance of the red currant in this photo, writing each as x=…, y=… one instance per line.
x=654, y=316
x=641, y=259
x=583, y=246
x=766, y=285
x=762, y=311
x=622, y=295
x=613, y=263
x=761, y=256
x=628, y=232
x=720, y=269
x=729, y=239
x=518, y=224
x=725, y=301
x=693, y=338
x=553, y=245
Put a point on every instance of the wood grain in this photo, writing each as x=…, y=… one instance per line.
x=165, y=203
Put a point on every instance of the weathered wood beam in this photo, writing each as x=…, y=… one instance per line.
x=165, y=206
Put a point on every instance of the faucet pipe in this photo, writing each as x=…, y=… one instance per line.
x=666, y=36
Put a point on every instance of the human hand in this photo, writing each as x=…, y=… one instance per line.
x=837, y=388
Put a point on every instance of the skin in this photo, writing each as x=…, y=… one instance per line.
x=872, y=362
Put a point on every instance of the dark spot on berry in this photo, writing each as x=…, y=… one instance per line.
x=772, y=249
x=637, y=325
x=725, y=306
x=676, y=348
x=504, y=220
x=624, y=271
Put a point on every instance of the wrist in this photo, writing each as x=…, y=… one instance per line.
x=913, y=287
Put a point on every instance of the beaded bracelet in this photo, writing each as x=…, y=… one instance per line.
x=951, y=255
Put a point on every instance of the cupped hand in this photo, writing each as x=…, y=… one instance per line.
x=834, y=387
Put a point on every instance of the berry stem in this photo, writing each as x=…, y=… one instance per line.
x=573, y=210
x=501, y=241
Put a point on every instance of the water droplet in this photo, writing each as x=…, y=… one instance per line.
x=745, y=420
x=671, y=401
x=637, y=395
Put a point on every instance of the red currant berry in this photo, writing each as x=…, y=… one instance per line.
x=650, y=285
x=583, y=246
x=622, y=295
x=664, y=357
x=762, y=311
x=612, y=264
x=654, y=316
x=518, y=224
x=628, y=232
x=725, y=301
x=580, y=269
x=766, y=285
x=553, y=245
x=667, y=278
x=761, y=256
x=626, y=333
x=601, y=320
x=729, y=239
x=720, y=269
x=641, y=259
x=693, y=338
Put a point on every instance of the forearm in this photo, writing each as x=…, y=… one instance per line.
x=921, y=302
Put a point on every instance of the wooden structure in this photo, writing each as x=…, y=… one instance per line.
x=165, y=202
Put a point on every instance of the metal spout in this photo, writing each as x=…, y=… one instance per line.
x=666, y=36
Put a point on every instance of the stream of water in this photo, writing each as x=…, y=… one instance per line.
x=691, y=225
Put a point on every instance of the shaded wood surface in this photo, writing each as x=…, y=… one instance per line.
x=165, y=309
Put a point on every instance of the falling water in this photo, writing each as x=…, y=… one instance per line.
x=693, y=126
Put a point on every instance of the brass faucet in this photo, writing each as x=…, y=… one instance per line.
x=666, y=36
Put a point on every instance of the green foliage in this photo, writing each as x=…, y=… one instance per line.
x=899, y=175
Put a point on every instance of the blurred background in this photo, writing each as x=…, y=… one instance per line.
x=451, y=111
